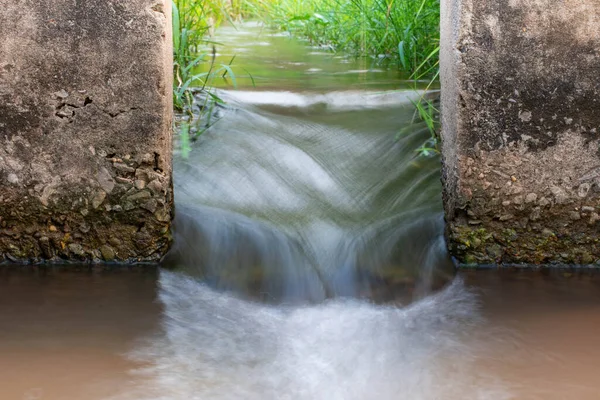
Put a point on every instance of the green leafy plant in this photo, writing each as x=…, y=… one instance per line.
x=193, y=21
x=405, y=31
x=191, y=25
x=427, y=113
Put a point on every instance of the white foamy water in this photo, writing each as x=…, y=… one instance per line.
x=215, y=346
x=335, y=101
x=311, y=202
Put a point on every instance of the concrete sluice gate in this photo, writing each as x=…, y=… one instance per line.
x=521, y=125
x=85, y=130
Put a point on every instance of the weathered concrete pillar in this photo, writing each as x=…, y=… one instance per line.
x=521, y=130
x=85, y=129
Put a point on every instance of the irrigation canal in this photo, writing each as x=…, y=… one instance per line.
x=308, y=264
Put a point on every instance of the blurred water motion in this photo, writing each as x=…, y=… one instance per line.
x=100, y=334
x=301, y=196
x=308, y=240
x=219, y=347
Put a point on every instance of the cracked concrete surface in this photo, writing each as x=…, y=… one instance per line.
x=85, y=130
x=520, y=140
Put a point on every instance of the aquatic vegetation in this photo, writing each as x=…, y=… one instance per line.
x=405, y=31
x=426, y=110
x=429, y=114
x=193, y=22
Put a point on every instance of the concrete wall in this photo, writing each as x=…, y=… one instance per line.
x=521, y=129
x=85, y=129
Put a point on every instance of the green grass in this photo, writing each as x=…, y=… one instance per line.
x=193, y=23
x=193, y=20
x=428, y=113
x=405, y=31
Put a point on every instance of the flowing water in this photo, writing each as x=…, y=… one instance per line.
x=308, y=263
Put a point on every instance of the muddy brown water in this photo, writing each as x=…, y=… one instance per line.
x=308, y=264
x=70, y=335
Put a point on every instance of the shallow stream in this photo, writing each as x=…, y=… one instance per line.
x=309, y=263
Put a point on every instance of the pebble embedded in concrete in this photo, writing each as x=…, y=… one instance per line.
x=98, y=198
x=108, y=253
x=531, y=198
x=13, y=179
x=584, y=189
x=574, y=215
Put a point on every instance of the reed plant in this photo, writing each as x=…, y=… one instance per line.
x=405, y=31
x=194, y=22
x=427, y=110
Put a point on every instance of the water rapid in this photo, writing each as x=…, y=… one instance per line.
x=308, y=265
x=217, y=346
x=309, y=260
x=303, y=196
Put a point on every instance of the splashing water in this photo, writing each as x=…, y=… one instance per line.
x=288, y=209
x=216, y=346
x=304, y=226
x=292, y=202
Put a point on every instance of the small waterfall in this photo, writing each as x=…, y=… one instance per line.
x=304, y=196
x=309, y=261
